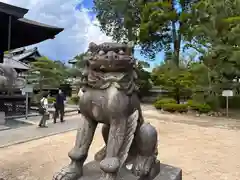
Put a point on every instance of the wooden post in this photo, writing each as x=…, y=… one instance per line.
x=9, y=32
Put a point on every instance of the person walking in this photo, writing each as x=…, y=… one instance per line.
x=59, y=106
x=43, y=110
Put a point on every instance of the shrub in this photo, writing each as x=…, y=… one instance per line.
x=51, y=100
x=213, y=102
x=193, y=105
x=200, y=107
x=173, y=107
x=233, y=102
x=204, y=108
x=74, y=100
x=159, y=102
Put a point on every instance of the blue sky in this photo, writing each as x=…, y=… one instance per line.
x=79, y=23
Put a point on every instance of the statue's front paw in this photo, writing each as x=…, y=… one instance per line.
x=110, y=165
x=142, y=165
x=68, y=173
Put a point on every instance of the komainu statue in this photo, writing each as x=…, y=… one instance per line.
x=9, y=78
x=110, y=97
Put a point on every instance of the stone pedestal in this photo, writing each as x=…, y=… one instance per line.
x=92, y=172
x=2, y=118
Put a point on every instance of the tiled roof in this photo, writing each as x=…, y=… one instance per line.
x=12, y=10
x=72, y=61
x=20, y=57
x=15, y=64
x=21, y=26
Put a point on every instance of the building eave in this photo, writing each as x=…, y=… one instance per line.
x=11, y=10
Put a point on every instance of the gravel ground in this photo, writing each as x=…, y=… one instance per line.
x=204, y=153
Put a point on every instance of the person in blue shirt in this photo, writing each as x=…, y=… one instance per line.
x=59, y=106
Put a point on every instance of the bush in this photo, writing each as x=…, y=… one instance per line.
x=204, y=108
x=213, y=102
x=74, y=100
x=233, y=102
x=173, y=107
x=51, y=100
x=159, y=102
x=193, y=105
x=200, y=107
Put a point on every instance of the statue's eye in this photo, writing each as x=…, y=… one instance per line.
x=121, y=52
x=101, y=52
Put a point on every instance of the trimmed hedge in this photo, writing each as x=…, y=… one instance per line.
x=200, y=107
x=51, y=100
x=173, y=107
x=160, y=102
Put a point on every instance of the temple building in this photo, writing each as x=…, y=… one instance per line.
x=20, y=59
x=72, y=62
x=17, y=32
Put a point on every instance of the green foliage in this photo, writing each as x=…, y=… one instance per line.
x=173, y=107
x=211, y=27
x=163, y=26
x=200, y=107
x=47, y=72
x=204, y=108
x=119, y=19
x=175, y=80
x=214, y=102
x=233, y=102
x=51, y=100
x=161, y=101
x=77, y=69
x=193, y=105
x=216, y=31
x=74, y=99
x=144, y=77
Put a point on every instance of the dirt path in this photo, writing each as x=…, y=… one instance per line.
x=204, y=153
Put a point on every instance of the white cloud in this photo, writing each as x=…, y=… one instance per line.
x=78, y=32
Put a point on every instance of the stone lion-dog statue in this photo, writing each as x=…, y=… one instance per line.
x=110, y=97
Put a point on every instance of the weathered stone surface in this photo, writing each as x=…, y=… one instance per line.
x=91, y=171
x=110, y=97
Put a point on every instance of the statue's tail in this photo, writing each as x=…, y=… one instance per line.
x=132, y=123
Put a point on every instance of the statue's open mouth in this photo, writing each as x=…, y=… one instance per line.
x=111, y=66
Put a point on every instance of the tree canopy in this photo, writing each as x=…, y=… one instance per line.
x=46, y=72
x=119, y=19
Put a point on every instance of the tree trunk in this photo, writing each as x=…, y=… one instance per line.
x=176, y=40
x=177, y=95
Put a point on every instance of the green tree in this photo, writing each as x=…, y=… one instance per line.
x=164, y=25
x=47, y=72
x=144, y=78
x=217, y=37
x=119, y=19
x=178, y=81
